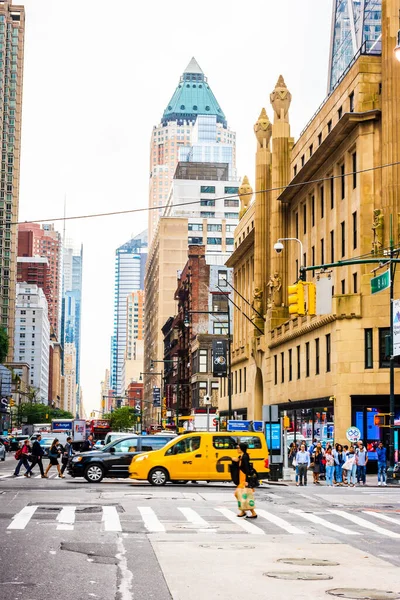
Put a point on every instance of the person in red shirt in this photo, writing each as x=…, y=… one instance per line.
x=22, y=456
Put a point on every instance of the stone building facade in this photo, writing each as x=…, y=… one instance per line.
x=335, y=190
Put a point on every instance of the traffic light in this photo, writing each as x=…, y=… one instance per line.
x=296, y=298
x=380, y=420
x=11, y=402
x=286, y=422
x=312, y=299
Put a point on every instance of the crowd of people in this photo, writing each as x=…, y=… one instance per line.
x=30, y=456
x=338, y=465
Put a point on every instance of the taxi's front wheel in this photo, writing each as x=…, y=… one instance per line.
x=158, y=476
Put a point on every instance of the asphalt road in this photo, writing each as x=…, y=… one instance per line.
x=121, y=540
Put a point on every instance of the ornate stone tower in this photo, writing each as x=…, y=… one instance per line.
x=262, y=130
x=282, y=145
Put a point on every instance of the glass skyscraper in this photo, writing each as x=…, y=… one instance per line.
x=130, y=262
x=356, y=28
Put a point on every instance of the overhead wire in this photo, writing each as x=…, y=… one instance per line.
x=225, y=197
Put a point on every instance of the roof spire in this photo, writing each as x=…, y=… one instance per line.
x=193, y=67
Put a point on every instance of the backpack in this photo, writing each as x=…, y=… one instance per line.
x=18, y=454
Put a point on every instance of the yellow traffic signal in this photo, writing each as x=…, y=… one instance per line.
x=312, y=299
x=286, y=422
x=296, y=298
x=12, y=402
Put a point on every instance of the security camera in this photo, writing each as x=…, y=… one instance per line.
x=278, y=247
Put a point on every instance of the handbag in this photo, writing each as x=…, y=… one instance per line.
x=245, y=499
x=234, y=471
x=253, y=479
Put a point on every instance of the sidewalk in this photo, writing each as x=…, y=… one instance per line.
x=372, y=481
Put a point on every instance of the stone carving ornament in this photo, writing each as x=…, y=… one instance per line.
x=275, y=286
x=280, y=100
x=257, y=304
x=245, y=195
x=377, y=229
x=263, y=129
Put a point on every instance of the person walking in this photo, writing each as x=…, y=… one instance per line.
x=381, y=455
x=292, y=453
x=303, y=462
x=361, y=462
x=350, y=467
x=339, y=462
x=54, y=453
x=316, y=461
x=22, y=456
x=88, y=444
x=330, y=467
x=37, y=453
x=244, y=477
x=67, y=453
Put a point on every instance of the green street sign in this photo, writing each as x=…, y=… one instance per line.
x=381, y=282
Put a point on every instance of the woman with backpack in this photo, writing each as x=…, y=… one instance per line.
x=54, y=453
x=21, y=456
x=247, y=480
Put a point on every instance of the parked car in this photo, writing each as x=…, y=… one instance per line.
x=203, y=456
x=116, y=435
x=114, y=459
x=3, y=452
x=6, y=442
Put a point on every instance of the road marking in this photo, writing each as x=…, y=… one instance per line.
x=21, y=519
x=150, y=519
x=66, y=518
x=320, y=521
x=111, y=519
x=279, y=522
x=193, y=517
x=364, y=523
x=381, y=516
x=272, y=496
x=243, y=523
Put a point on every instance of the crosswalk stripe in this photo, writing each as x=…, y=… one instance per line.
x=22, y=518
x=66, y=518
x=278, y=521
x=110, y=519
x=364, y=523
x=320, y=521
x=249, y=527
x=381, y=516
x=193, y=517
x=150, y=519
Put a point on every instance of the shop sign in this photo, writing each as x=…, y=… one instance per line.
x=245, y=426
x=353, y=434
x=156, y=397
x=219, y=348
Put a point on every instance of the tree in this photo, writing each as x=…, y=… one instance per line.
x=123, y=418
x=36, y=412
x=3, y=345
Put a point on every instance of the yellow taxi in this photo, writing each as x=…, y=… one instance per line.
x=203, y=456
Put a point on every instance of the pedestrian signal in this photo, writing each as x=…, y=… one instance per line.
x=312, y=299
x=286, y=422
x=296, y=298
x=380, y=419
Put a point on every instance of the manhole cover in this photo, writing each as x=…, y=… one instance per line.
x=363, y=594
x=293, y=575
x=308, y=562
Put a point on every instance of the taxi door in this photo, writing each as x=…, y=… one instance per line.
x=187, y=458
x=223, y=449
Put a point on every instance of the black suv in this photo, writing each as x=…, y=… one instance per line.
x=114, y=459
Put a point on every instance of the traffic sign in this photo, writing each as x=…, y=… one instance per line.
x=381, y=282
x=353, y=434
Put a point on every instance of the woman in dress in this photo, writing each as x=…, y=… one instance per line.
x=243, y=487
x=317, y=460
x=54, y=453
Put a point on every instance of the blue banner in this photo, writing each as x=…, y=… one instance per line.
x=245, y=426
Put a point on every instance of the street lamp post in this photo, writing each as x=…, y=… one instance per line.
x=278, y=247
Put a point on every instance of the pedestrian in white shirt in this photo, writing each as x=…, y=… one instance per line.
x=303, y=462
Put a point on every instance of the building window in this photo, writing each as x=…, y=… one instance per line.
x=222, y=278
x=207, y=215
x=207, y=189
x=311, y=150
x=220, y=328
x=354, y=283
x=203, y=367
x=317, y=356
x=214, y=227
x=343, y=238
x=307, y=359
x=342, y=182
x=297, y=224
x=354, y=230
x=276, y=369
x=244, y=379
x=282, y=367
x=328, y=352
x=313, y=258
x=329, y=126
x=304, y=218
x=236, y=388
x=195, y=226
x=298, y=361
x=240, y=381
x=340, y=112
x=351, y=102
x=195, y=240
x=322, y=251
x=207, y=202
x=231, y=190
x=312, y=210
x=319, y=139
x=368, y=349
x=290, y=365
x=332, y=189
x=384, y=348
x=332, y=240
x=294, y=170
x=214, y=241
x=343, y=286
x=303, y=159
x=229, y=215
x=231, y=202
x=354, y=169
x=322, y=201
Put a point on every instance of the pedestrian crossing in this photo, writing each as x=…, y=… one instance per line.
x=210, y=520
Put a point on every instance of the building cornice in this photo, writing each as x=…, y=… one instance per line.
x=241, y=250
x=339, y=133
x=279, y=336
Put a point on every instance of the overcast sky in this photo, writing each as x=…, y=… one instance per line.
x=98, y=75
